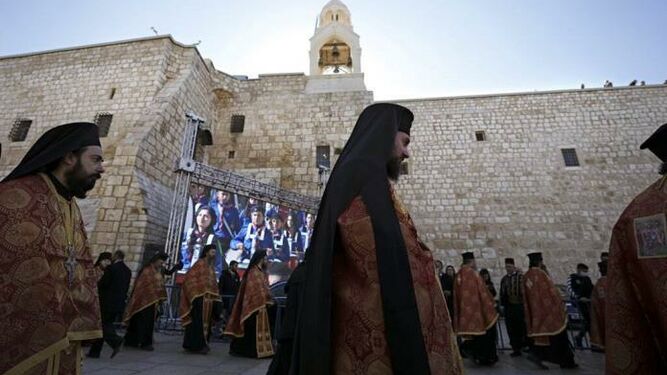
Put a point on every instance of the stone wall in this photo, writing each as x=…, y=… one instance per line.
x=283, y=127
x=505, y=196
x=512, y=194
x=155, y=80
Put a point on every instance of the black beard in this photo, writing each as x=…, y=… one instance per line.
x=78, y=183
x=394, y=168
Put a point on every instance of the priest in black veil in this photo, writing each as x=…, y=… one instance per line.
x=200, y=304
x=371, y=302
x=251, y=319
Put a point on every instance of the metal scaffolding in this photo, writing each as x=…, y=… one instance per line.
x=189, y=171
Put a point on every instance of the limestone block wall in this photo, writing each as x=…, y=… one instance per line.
x=155, y=80
x=505, y=196
x=283, y=127
x=512, y=194
x=185, y=86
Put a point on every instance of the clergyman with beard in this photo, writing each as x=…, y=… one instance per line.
x=48, y=289
x=371, y=302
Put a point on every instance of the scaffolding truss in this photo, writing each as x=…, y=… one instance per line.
x=190, y=171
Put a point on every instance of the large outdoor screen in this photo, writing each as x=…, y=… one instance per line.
x=238, y=226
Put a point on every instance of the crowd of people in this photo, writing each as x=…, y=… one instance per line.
x=532, y=307
x=364, y=298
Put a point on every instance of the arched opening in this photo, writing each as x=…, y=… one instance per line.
x=335, y=58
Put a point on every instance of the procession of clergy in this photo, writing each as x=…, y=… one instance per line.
x=365, y=300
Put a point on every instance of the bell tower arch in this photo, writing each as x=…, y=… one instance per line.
x=334, y=48
x=335, y=52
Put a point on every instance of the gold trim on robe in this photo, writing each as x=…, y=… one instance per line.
x=253, y=297
x=48, y=294
x=543, y=307
x=475, y=309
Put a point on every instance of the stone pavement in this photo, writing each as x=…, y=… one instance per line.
x=169, y=358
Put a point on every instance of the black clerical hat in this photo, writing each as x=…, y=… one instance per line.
x=657, y=143
x=256, y=208
x=509, y=261
x=54, y=144
x=468, y=255
x=406, y=121
x=534, y=257
x=602, y=266
x=257, y=257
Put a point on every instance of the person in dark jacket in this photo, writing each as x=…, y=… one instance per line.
x=447, y=281
x=112, y=289
x=486, y=276
x=229, y=284
x=580, y=287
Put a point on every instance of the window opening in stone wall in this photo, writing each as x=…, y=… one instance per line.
x=19, y=130
x=323, y=157
x=238, y=123
x=404, y=168
x=113, y=93
x=103, y=121
x=480, y=136
x=231, y=154
x=570, y=157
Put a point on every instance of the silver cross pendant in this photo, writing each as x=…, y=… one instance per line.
x=70, y=264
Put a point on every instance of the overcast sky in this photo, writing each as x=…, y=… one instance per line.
x=410, y=49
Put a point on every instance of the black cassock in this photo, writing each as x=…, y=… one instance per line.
x=228, y=284
x=140, y=328
x=139, y=332
x=246, y=346
x=195, y=337
x=281, y=361
x=447, y=283
x=512, y=301
x=483, y=348
x=558, y=351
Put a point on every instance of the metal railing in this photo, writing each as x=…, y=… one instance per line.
x=168, y=321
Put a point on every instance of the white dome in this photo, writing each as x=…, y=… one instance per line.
x=335, y=12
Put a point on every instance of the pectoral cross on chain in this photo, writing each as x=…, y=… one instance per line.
x=70, y=264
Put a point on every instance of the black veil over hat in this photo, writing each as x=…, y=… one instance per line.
x=54, y=144
x=257, y=257
x=657, y=143
x=361, y=170
x=535, y=257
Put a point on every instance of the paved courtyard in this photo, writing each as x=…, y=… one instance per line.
x=169, y=358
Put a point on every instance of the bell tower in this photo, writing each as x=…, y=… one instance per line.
x=335, y=54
